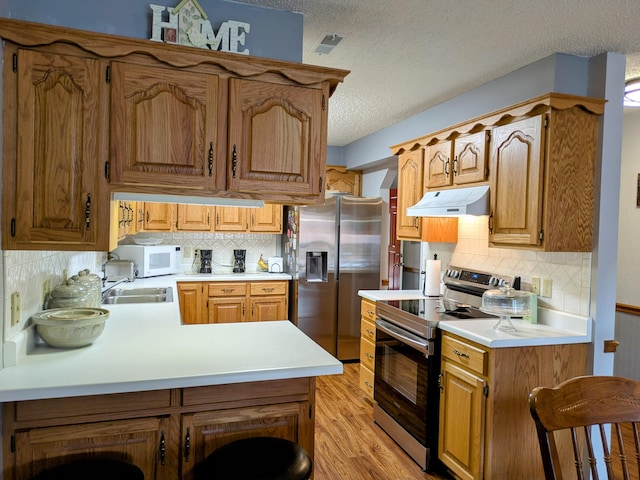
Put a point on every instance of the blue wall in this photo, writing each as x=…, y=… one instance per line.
x=274, y=33
x=557, y=73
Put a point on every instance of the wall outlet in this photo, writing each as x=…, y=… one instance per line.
x=15, y=308
x=547, y=286
x=187, y=252
x=535, y=285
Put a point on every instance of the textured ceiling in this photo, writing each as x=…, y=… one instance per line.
x=406, y=56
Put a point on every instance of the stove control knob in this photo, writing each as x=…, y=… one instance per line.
x=502, y=282
x=493, y=281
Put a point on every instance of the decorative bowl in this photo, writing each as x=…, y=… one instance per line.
x=70, y=327
x=147, y=241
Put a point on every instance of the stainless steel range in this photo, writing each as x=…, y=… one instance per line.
x=406, y=390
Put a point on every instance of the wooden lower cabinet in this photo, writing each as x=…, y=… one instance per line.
x=230, y=302
x=165, y=440
x=367, y=345
x=486, y=430
x=269, y=300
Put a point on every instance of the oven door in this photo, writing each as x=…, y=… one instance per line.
x=406, y=380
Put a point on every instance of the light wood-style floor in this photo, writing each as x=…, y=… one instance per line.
x=348, y=445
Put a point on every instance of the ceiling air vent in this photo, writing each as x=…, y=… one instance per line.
x=327, y=43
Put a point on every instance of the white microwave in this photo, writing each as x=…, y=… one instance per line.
x=151, y=260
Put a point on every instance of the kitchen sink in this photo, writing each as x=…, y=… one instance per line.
x=138, y=295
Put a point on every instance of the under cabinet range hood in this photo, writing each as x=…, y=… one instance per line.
x=452, y=203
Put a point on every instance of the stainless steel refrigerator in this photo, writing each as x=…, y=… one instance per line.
x=332, y=251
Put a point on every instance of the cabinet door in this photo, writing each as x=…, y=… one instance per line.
x=470, y=158
x=158, y=217
x=269, y=308
x=267, y=219
x=338, y=179
x=53, y=123
x=204, y=432
x=163, y=127
x=136, y=441
x=190, y=297
x=462, y=422
x=517, y=168
x=276, y=133
x=438, y=165
x=409, y=193
x=193, y=218
x=226, y=310
x=230, y=219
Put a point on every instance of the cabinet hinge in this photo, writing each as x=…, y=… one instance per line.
x=324, y=102
x=320, y=183
x=107, y=170
x=486, y=172
x=13, y=227
x=107, y=75
x=546, y=121
x=14, y=65
x=485, y=391
x=488, y=136
x=310, y=411
x=541, y=235
x=13, y=443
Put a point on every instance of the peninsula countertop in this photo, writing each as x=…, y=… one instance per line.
x=146, y=347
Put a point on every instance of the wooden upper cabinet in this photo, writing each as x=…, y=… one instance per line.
x=457, y=162
x=230, y=219
x=54, y=196
x=193, y=218
x=277, y=138
x=267, y=219
x=517, y=166
x=410, y=168
x=339, y=179
x=163, y=126
x=158, y=217
x=542, y=179
x=438, y=165
x=471, y=153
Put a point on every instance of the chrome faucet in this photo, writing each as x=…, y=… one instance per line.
x=106, y=290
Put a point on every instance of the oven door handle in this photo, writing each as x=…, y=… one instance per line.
x=403, y=336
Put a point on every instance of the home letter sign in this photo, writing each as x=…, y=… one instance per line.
x=188, y=24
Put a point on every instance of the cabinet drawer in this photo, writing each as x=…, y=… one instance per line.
x=268, y=288
x=233, y=289
x=248, y=393
x=366, y=381
x=59, y=408
x=368, y=309
x=367, y=353
x=367, y=329
x=465, y=354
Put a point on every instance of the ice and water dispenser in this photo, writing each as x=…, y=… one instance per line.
x=317, y=267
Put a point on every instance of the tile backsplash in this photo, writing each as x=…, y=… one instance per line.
x=570, y=272
x=25, y=272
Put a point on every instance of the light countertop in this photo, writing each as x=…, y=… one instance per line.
x=146, y=347
x=553, y=327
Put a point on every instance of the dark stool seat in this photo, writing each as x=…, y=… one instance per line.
x=94, y=469
x=259, y=458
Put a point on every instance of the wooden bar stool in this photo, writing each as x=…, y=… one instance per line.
x=258, y=458
x=94, y=469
